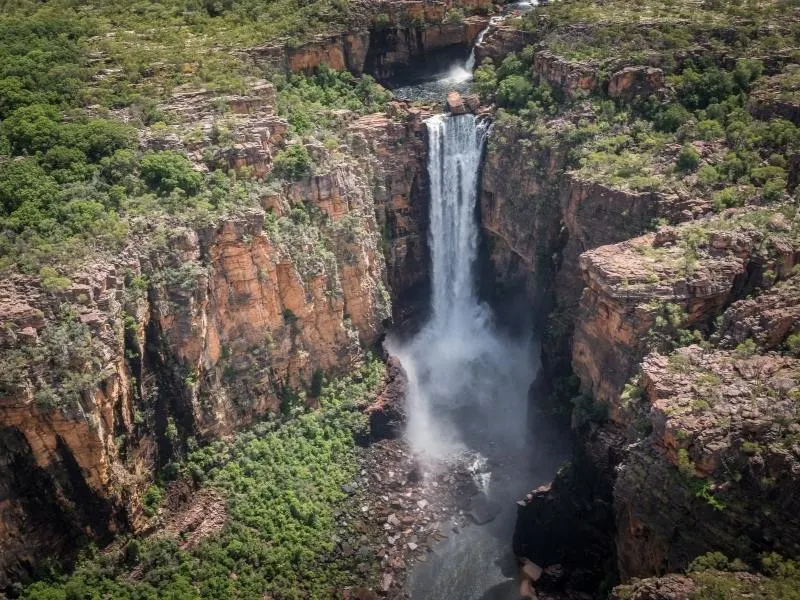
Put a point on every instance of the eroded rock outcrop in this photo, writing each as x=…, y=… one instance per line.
x=572, y=78
x=386, y=39
x=241, y=132
x=778, y=97
x=720, y=469
x=638, y=82
x=628, y=282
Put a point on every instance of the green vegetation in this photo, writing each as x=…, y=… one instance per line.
x=652, y=143
x=71, y=177
x=309, y=102
x=716, y=578
x=281, y=482
x=68, y=358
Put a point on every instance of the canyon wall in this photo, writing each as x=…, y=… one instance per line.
x=195, y=331
x=386, y=40
x=679, y=451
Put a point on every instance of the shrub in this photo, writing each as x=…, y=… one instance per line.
x=672, y=118
x=513, y=91
x=485, y=80
x=688, y=159
x=52, y=280
x=746, y=349
x=166, y=171
x=727, y=198
x=707, y=175
x=710, y=129
x=292, y=163
x=152, y=500
x=793, y=344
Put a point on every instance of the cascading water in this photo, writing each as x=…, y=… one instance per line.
x=467, y=395
x=458, y=75
x=467, y=382
x=470, y=64
x=455, y=147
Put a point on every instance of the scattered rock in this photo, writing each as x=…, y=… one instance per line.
x=531, y=570
x=482, y=510
x=526, y=590
x=386, y=582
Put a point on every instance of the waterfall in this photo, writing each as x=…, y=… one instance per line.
x=467, y=383
x=455, y=147
x=470, y=64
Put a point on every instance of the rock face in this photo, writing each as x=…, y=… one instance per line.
x=520, y=214
x=196, y=332
x=573, y=78
x=245, y=139
x=636, y=82
x=628, y=283
x=500, y=40
x=394, y=150
x=698, y=450
x=721, y=467
x=778, y=97
x=389, y=38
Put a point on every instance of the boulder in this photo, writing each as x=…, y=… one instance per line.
x=636, y=82
x=482, y=510
x=530, y=570
x=455, y=104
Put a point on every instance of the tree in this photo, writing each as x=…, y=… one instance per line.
x=166, y=171
x=23, y=181
x=293, y=163
x=514, y=91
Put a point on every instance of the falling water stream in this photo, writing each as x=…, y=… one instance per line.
x=469, y=381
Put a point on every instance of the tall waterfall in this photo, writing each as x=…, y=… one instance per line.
x=467, y=383
x=455, y=149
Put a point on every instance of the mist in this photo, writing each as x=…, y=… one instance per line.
x=467, y=381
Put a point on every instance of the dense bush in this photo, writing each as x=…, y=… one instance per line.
x=293, y=162
x=282, y=485
x=688, y=159
x=307, y=100
x=167, y=171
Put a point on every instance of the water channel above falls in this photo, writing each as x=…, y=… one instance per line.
x=468, y=382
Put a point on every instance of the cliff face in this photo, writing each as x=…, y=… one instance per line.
x=387, y=39
x=520, y=215
x=629, y=284
x=196, y=331
x=721, y=467
x=394, y=150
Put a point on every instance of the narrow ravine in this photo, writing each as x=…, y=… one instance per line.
x=469, y=382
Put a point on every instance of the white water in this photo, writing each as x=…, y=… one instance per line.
x=467, y=382
x=470, y=64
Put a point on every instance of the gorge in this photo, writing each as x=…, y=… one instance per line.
x=269, y=329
